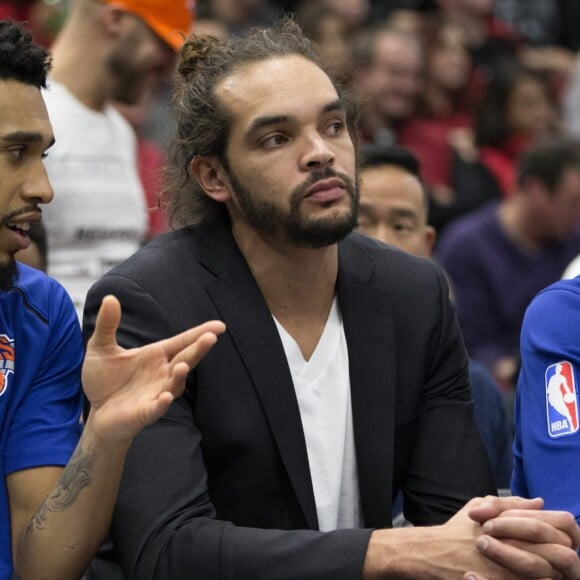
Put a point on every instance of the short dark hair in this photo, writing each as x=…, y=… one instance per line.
x=21, y=59
x=203, y=124
x=373, y=155
x=547, y=160
x=364, y=43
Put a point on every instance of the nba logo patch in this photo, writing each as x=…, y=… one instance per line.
x=561, y=400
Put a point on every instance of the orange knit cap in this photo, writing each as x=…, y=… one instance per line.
x=171, y=20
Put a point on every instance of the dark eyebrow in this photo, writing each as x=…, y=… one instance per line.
x=261, y=122
x=28, y=136
x=337, y=105
x=396, y=212
x=25, y=137
x=404, y=212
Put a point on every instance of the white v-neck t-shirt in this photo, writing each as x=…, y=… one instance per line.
x=322, y=388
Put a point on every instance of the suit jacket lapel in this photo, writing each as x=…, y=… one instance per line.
x=252, y=329
x=368, y=324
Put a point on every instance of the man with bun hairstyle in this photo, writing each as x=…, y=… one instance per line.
x=56, y=496
x=342, y=378
x=108, y=50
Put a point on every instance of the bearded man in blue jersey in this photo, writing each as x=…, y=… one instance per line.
x=56, y=491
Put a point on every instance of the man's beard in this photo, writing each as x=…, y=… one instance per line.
x=8, y=274
x=303, y=232
x=129, y=84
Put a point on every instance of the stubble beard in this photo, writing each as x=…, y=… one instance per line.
x=129, y=86
x=302, y=232
x=8, y=274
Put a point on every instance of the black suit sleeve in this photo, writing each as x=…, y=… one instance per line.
x=449, y=464
x=164, y=523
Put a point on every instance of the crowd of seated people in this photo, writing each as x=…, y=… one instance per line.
x=475, y=90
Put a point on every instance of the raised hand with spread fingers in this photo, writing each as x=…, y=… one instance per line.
x=60, y=516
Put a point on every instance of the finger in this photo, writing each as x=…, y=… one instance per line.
x=191, y=354
x=492, y=506
x=155, y=409
x=562, y=520
x=176, y=383
x=564, y=560
x=526, y=529
x=178, y=343
x=524, y=562
x=108, y=319
x=550, y=525
x=474, y=576
x=472, y=503
x=187, y=360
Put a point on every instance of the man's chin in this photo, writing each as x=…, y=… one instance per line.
x=8, y=274
x=321, y=234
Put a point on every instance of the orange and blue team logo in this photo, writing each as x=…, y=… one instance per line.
x=6, y=361
x=561, y=400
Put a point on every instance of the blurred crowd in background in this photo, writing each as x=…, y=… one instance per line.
x=467, y=85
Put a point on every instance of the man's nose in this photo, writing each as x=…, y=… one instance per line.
x=384, y=233
x=317, y=152
x=37, y=187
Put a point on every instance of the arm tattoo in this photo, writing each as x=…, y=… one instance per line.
x=76, y=475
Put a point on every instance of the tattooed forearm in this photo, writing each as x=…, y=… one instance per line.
x=77, y=475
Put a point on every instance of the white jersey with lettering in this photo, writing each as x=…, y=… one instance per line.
x=98, y=217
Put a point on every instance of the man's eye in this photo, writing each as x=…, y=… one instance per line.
x=274, y=141
x=16, y=152
x=336, y=128
x=403, y=227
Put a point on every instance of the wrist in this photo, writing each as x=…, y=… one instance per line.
x=397, y=553
x=96, y=440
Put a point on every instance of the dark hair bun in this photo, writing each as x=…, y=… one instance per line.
x=194, y=52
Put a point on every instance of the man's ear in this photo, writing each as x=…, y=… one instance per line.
x=112, y=19
x=430, y=237
x=212, y=177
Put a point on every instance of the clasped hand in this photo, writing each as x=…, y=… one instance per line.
x=522, y=537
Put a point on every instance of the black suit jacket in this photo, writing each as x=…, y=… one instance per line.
x=220, y=487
